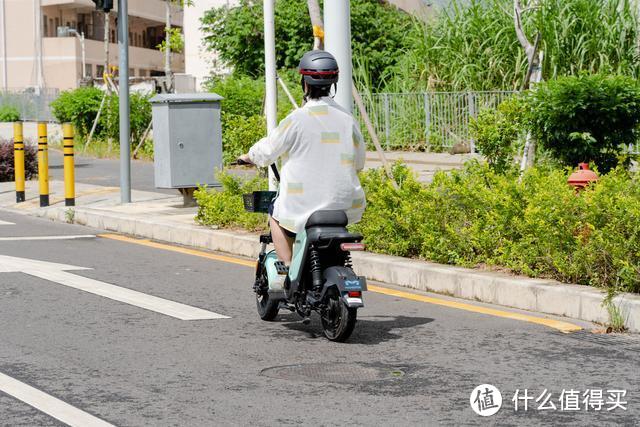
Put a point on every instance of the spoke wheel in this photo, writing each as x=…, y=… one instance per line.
x=338, y=320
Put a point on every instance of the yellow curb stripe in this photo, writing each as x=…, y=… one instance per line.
x=179, y=249
x=555, y=324
x=561, y=326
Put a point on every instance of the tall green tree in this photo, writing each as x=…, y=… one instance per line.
x=379, y=34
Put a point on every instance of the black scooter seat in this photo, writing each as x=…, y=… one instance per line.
x=327, y=219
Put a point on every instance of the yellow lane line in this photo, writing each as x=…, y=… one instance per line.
x=179, y=249
x=551, y=323
x=555, y=324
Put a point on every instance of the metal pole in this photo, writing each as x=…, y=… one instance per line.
x=106, y=46
x=123, y=46
x=3, y=35
x=337, y=28
x=167, y=48
x=271, y=100
x=84, y=57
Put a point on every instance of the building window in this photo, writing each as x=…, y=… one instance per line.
x=45, y=30
x=99, y=71
x=51, y=29
x=88, y=69
x=113, y=36
x=55, y=29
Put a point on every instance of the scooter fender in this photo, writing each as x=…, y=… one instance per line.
x=345, y=280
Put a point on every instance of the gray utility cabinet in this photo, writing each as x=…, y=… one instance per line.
x=187, y=139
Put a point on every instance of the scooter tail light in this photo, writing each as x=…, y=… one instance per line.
x=355, y=294
x=347, y=247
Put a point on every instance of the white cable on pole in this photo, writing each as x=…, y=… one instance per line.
x=271, y=100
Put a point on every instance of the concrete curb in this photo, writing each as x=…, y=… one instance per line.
x=544, y=296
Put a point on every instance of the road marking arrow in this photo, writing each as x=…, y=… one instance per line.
x=57, y=273
x=48, y=404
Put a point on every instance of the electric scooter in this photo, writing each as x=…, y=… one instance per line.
x=320, y=278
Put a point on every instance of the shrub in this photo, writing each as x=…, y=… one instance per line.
x=585, y=118
x=496, y=133
x=239, y=133
x=537, y=226
x=139, y=116
x=225, y=208
x=7, y=172
x=9, y=113
x=78, y=106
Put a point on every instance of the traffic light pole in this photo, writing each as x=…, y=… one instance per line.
x=125, y=128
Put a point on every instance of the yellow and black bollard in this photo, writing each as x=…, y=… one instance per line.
x=69, y=165
x=43, y=164
x=18, y=161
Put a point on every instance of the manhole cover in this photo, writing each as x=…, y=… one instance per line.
x=348, y=373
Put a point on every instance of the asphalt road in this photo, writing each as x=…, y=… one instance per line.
x=106, y=172
x=408, y=362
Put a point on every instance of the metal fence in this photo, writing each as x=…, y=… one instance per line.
x=31, y=103
x=430, y=121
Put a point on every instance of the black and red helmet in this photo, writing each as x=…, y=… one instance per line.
x=319, y=68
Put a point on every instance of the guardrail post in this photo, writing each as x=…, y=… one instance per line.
x=69, y=165
x=18, y=161
x=43, y=164
x=472, y=114
x=427, y=118
x=387, y=121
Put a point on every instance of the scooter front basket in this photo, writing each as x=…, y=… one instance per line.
x=258, y=201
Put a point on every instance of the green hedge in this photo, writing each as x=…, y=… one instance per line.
x=80, y=107
x=474, y=217
x=9, y=113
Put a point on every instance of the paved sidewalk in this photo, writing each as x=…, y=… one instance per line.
x=161, y=217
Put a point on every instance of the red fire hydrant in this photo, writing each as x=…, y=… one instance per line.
x=582, y=177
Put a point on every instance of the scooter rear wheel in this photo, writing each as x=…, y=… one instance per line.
x=267, y=306
x=338, y=321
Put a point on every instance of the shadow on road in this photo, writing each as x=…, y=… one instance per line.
x=370, y=330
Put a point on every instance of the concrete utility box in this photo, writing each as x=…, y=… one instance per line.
x=187, y=140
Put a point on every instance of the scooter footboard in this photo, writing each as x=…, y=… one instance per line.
x=347, y=283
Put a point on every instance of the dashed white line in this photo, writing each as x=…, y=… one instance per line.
x=62, y=237
x=6, y=223
x=48, y=404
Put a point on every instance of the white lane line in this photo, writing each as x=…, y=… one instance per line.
x=58, y=273
x=72, y=237
x=48, y=404
x=7, y=223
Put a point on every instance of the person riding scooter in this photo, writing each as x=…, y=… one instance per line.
x=322, y=150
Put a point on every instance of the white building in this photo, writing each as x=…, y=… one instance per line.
x=198, y=61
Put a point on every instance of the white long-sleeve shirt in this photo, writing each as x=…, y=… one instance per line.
x=322, y=150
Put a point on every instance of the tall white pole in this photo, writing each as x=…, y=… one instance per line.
x=37, y=23
x=125, y=128
x=3, y=35
x=337, y=41
x=271, y=101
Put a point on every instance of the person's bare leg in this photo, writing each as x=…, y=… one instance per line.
x=282, y=242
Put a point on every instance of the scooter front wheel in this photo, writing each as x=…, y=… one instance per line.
x=338, y=320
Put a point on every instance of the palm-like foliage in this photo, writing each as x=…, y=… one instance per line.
x=473, y=45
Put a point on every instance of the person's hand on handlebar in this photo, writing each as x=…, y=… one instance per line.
x=244, y=160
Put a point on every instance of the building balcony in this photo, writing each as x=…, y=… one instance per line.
x=63, y=61
x=153, y=10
